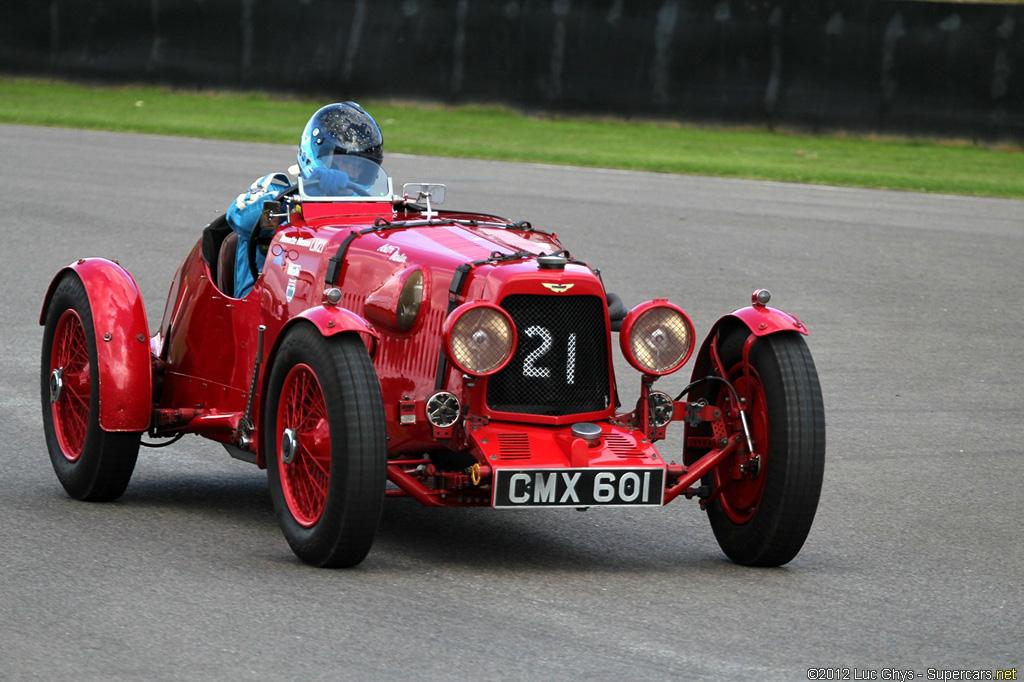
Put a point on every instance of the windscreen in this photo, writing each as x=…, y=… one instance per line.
x=346, y=176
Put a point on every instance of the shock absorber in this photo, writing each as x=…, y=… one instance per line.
x=245, y=425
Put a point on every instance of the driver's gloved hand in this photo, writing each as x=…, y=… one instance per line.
x=331, y=182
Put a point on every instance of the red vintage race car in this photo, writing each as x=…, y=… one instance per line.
x=464, y=358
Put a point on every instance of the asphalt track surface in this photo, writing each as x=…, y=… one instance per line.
x=915, y=560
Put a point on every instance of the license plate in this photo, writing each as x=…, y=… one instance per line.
x=579, y=487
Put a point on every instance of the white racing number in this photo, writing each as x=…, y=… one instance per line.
x=530, y=368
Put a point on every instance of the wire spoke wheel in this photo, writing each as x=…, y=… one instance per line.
x=70, y=384
x=763, y=503
x=302, y=416
x=326, y=446
x=91, y=464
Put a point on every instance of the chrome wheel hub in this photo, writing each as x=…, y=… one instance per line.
x=289, y=445
x=56, y=384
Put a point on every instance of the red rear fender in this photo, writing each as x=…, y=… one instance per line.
x=122, y=342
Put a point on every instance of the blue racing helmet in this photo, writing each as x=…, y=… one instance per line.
x=335, y=132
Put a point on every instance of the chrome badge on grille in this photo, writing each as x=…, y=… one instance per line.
x=557, y=288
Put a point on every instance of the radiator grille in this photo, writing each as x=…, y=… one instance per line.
x=514, y=445
x=622, y=446
x=560, y=365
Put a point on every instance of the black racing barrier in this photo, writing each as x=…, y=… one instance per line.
x=930, y=68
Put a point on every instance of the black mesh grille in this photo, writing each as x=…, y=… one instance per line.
x=560, y=365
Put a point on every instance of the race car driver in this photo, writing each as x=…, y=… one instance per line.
x=333, y=133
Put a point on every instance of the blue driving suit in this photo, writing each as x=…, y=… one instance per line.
x=243, y=215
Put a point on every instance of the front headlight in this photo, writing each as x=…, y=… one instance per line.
x=395, y=304
x=657, y=337
x=479, y=338
x=409, y=301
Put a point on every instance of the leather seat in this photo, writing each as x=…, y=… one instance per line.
x=226, y=264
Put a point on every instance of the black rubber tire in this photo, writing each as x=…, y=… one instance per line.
x=795, y=459
x=343, y=531
x=101, y=470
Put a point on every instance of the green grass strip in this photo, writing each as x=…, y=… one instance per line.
x=500, y=133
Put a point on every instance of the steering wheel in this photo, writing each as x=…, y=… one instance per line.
x=357, y=190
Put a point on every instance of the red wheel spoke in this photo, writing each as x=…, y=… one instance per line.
x=77, y=385
x=320, y=464
x=79, y=417
x=317, y=446
x=70, y=359
x=303, y=412
x=71, y=417
x=313, y=482
x=76, y=423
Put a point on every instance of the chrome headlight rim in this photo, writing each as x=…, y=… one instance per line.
x=467, y=321
x=634, y=332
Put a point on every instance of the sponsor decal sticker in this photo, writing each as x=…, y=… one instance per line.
x=393, y=252
x=280, y=254
x=314, y=244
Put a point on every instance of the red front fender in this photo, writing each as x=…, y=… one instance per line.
x=122, y=342
x=331, y=320
x=760, y=320
x=763, y=320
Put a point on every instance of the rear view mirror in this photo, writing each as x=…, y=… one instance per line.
x=422, y=191
x=270, y=219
